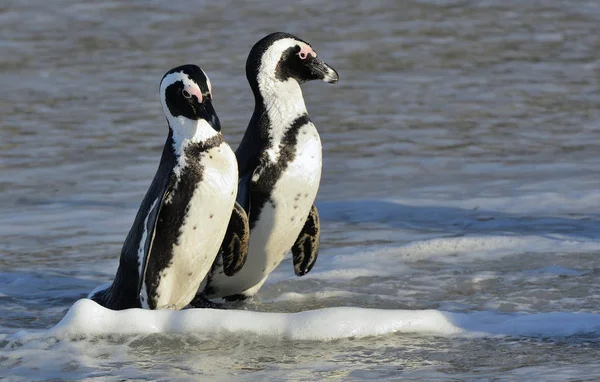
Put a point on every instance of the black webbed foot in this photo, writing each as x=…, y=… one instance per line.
x=240, y=297
x=202, y=302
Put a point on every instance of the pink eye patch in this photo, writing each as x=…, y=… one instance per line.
x=194, y=90
x=305, y=52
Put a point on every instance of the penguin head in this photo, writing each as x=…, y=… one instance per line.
x=186, y=95
x=283, y=57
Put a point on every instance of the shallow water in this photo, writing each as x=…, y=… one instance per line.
x=460, y=174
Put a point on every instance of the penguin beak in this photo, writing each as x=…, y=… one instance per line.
x=322, y=71
x=210, y=115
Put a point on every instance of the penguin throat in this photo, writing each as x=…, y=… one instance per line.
x=185, y=132
x=283, y=103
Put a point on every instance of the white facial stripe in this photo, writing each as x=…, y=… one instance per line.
x=185, y=130
x=195, y=90
x=170, y=80
x=208, y=83
x=283, y=99
x=272, y=55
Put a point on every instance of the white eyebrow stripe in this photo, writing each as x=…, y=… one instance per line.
x=194, y=90
x=170, y=79
x=208, y=83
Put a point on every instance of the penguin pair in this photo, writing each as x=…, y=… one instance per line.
x=215, y=224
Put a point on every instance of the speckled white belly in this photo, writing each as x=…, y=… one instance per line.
x=203, y=230
x=280, y=222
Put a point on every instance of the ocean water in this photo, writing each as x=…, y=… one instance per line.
x=459, y=199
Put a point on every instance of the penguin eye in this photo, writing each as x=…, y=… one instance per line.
x=305, y=52
x=186, y=94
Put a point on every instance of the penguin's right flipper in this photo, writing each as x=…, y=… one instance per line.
x=306, y=247
x=234, y=248
x=243, y=194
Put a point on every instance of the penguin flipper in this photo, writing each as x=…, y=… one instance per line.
x=243, y=195
x=150, y=228
x=234, y=248
x=306, y=247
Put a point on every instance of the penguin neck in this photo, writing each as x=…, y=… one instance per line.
x=281, y=102
x=186, y=131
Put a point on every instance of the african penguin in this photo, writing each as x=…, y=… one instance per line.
x=184, y=219
x=279, y=162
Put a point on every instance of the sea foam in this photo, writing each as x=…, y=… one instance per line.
x=88, y=318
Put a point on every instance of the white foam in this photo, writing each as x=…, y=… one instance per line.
x=493, y=246
x=349, y=264
x=302, y=297
x=88, y=318
x=405, y=210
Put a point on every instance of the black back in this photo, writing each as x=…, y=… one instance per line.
x=123, y=293
x=162, y=233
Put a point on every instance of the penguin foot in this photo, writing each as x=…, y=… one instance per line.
x=202, y=302
x=167, y=307
x=240, y=297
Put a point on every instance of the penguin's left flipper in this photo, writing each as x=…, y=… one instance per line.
x=306, y=247
x=150, y=222
x=234, y=248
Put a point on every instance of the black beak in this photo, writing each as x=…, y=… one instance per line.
x=210, y=115
x=322, y=71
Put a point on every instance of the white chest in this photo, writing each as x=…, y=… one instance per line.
x=203, y=229
x=297, y=187
x=281, y=218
